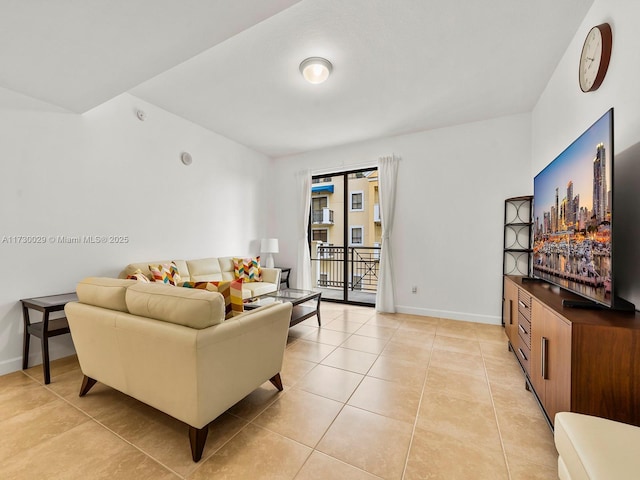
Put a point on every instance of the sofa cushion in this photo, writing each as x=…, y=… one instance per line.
x=165, y=273
x=204, y=270
x=191, y=308
x=139, y=276
x=231, y=292
x=104, y=292
x=256, y=289
x=248, y=269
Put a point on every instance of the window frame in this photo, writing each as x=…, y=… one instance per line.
x=351, y=229
x=326, y=230
x=351, y=195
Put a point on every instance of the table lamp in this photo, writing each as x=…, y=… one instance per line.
x=269, y=246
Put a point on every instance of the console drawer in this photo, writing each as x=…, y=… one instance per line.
x=523, y=352
x=524, y=330
x=524, y=304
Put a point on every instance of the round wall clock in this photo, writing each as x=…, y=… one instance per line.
x=595, y=56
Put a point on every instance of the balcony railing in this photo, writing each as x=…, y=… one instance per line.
x=362, y=266
x=324, y=216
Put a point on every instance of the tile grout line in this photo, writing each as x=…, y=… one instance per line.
x=495, y=414
x=96, y=421
x=415, y=422
x=344, y=404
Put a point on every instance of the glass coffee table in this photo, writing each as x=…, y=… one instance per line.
x=303, y=303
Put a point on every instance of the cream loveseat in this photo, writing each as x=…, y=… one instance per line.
x=212, y=270
x=172, y=348
x=594, y=448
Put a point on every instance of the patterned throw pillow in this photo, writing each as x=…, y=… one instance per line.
x=167, y=274
x=248, y=269
x=231, y=291
x=139, y=276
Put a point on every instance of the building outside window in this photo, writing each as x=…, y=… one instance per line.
x=357, y=201
x=356, y=235
x=317, y=206
x=320, y=235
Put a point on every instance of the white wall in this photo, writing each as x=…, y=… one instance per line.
x=448, y=232
x=564, y=111
x=107, y=173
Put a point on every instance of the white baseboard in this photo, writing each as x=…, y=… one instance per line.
x=15, y=364
x=463, y=316
x=11, y=365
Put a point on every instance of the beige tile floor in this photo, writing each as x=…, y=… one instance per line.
x=366, y=396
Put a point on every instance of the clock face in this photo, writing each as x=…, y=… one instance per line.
x=594, y=59
x=590, y=59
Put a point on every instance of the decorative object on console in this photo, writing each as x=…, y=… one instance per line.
x=166, y=273
x=269, y=246
x=247, y=269
x=595, y=56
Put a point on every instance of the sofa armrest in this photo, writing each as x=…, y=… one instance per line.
x=271, y=275
x=237, y=356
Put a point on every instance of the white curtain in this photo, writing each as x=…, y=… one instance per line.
x=387, y=175
x=303, y=264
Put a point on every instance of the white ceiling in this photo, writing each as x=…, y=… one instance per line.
x=232, y=66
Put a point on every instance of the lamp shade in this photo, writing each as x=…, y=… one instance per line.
x=269, y=245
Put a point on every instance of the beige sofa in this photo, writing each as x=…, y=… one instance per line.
x=212, y=270
x=171, y=348
x=594, y=448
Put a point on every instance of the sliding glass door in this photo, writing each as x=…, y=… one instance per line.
x=345, y=234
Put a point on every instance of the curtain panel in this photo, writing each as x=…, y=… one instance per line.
x=387, y=175
x=303, y=263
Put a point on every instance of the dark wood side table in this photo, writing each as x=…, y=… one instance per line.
x=46, y=328
x=284, y=276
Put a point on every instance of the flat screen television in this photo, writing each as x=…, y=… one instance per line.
x=572, y=215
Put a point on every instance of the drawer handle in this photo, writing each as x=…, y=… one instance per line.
x=543, y=354
x=510, y=312
x=521, y=328
x=522, y=354
x=522, y=304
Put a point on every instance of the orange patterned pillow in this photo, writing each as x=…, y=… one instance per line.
x=248, y=269
x=167, y=274
x=139, y=276
x=231, y=291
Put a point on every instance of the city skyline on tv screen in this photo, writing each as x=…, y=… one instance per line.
x=572, y=215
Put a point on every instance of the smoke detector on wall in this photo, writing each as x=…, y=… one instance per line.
x=141, y=115
x=186, y=158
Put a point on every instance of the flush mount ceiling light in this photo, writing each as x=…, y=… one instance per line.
x=315, y=69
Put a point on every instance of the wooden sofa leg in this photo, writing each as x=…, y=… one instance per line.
x=276, y=381
x=87, y=383
x=197, y=437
